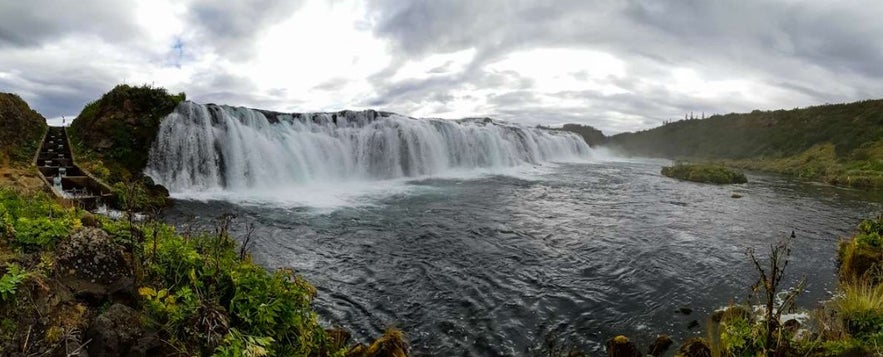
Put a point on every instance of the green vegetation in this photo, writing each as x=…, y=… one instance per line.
x=151, y=287
x=704, y=173
x=838, y=143
x=21, y=130
x=118, y=128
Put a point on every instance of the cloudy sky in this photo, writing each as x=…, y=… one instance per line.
x=617, y=65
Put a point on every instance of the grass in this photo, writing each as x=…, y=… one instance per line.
x=821, y=163
x=704, y=173
x=860, y=306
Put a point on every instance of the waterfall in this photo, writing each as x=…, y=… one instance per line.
x=201, y=147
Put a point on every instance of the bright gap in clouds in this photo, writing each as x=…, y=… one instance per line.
x=322, y=42
x=560, y=69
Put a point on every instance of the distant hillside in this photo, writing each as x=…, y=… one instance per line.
x=592, y=136
x=21, y=129
x=762, y=134
x=838, y=143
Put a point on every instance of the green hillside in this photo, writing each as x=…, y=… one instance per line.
x=839, y=143
x=21, y=129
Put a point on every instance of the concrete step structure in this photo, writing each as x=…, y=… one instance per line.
x=64, y=178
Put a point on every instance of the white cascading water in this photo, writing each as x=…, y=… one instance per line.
x=209, y=147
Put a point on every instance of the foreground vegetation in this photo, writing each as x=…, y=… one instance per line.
x=840, y=143
x=72, y=282
x=704, y=173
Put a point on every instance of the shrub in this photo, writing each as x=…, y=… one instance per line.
x=704, y=173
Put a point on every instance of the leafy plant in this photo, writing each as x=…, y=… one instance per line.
x=10, y=281
x=42, y=231
x=236, y=344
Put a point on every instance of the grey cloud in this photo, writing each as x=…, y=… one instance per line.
x=35, y=22
x=232, y=27
x=331, y=85
x=818, y=51
x=57, y=88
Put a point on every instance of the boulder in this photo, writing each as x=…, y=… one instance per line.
x=93, y=266
x=114, y=332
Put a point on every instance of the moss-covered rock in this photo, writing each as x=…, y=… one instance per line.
x=704, y=173
x=21, y=130
x=119, y=128
x=861, y=257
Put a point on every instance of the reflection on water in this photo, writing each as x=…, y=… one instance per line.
x=491, y=266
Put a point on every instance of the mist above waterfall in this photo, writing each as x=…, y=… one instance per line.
x=219, y=148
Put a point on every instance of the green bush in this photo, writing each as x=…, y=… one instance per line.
x=704, y=173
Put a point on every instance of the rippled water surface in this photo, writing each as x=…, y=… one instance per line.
x=492, y=265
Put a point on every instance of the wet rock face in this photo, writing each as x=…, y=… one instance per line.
x=92, y=265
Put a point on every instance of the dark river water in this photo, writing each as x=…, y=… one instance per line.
x=493, y=265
